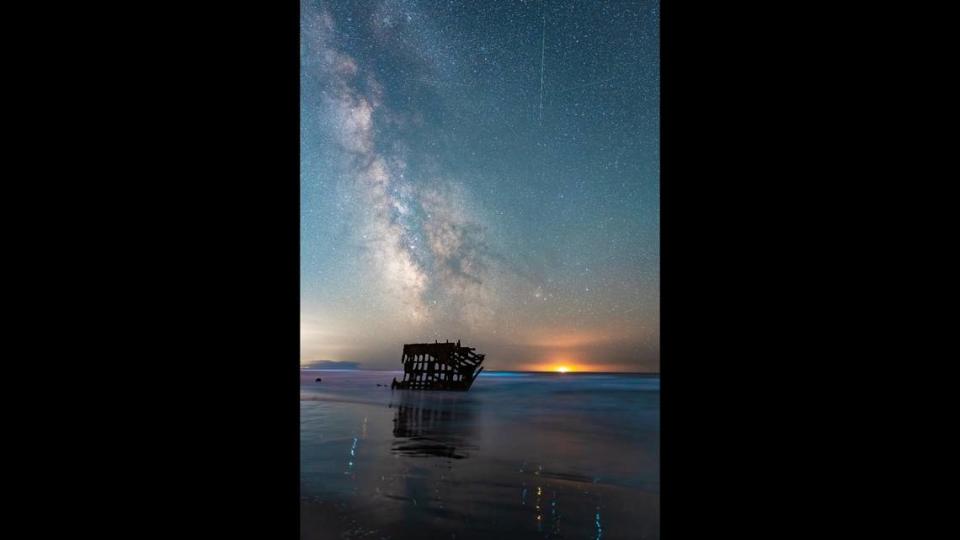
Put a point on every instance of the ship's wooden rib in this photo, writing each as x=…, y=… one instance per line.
x=439, y=366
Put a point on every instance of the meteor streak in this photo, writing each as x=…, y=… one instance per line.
x=543, y=37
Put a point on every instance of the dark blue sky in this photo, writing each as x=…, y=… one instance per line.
x=484, y=171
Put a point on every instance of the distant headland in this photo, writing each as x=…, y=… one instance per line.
x=330, y=364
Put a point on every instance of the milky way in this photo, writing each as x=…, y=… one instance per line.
x=446, y=194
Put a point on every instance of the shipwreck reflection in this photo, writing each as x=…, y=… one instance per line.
x=433, y=426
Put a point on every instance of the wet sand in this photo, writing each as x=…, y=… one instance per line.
x=519, y=456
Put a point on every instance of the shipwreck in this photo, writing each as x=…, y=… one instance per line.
x=438, y=366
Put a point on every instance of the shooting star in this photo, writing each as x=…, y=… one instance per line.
x=543, y=37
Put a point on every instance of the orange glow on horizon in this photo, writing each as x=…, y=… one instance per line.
x=566, y=365
x=559, y=365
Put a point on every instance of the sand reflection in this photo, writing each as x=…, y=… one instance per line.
x=441, y=424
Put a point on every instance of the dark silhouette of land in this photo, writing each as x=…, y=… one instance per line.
x=330, y=364
x=438, y=366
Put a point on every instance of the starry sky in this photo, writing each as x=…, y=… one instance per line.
x=483, y=171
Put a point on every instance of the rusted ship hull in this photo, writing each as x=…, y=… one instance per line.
x=438, y=366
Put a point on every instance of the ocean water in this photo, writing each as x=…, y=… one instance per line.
x=521, y=455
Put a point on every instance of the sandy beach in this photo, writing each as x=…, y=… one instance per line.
x=519, y=456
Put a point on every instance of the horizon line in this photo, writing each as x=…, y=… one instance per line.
x=492, y=371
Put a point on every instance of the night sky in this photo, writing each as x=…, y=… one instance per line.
x=484, y=171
